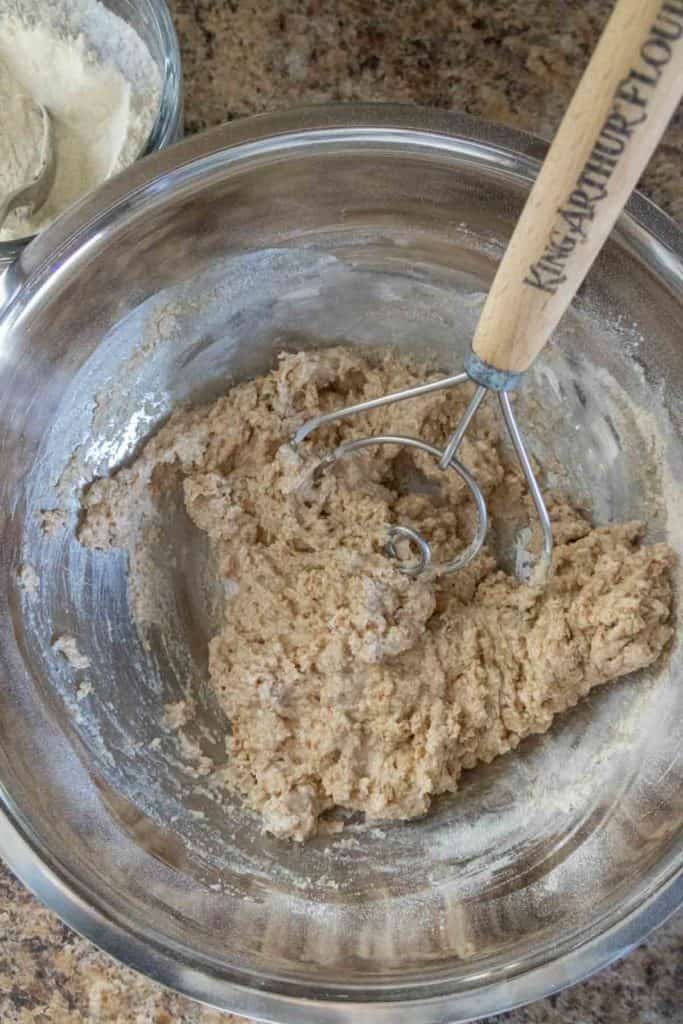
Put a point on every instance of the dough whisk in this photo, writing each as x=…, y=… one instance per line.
x=616, y=117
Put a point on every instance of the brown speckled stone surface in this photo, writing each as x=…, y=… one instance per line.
x=513, y=61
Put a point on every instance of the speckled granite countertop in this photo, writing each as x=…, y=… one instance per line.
x=504, y=60
x=512, y=61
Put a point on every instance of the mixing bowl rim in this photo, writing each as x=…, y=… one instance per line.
x=519, y=152
x=30, y=860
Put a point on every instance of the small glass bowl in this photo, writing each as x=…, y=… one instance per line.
x=152, y=21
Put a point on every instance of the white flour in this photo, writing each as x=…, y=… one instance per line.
x=21, y=131
x=100, y=85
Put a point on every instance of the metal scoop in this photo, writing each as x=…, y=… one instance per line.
x=619, y=111
x=33, y=193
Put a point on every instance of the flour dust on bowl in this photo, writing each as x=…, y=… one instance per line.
x=361, y=226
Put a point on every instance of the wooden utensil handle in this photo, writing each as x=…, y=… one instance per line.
x=614, y=121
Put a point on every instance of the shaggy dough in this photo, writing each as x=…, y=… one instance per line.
x=347, y=683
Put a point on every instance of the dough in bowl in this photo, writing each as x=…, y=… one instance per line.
x=348, y=684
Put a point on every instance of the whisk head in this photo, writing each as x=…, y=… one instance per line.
x=446, y=459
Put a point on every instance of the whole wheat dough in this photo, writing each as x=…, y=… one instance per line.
x=347, y=683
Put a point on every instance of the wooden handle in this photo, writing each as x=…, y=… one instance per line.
x=614, y=121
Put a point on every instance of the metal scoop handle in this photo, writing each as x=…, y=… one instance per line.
x=34, y=193
x=617, y=116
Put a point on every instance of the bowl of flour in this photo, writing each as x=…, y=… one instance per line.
x=108, y=75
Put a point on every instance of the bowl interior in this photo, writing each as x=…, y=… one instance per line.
x=385, y=240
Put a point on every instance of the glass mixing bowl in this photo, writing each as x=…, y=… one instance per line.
x=192, y=270
x=152, y=21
